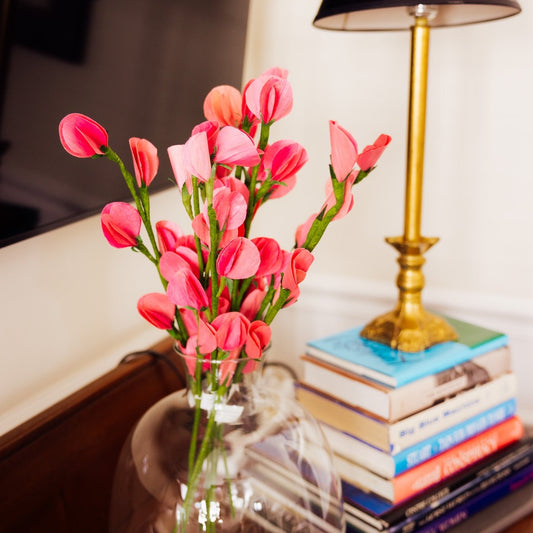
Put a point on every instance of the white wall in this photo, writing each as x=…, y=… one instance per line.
x=478, y=191
x=69, y=299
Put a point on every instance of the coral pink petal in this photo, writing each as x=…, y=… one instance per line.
x=235, y=147
x=240, y=259
x=157, y=309
x=370, y=155
x=185, y=290
x=145, y=160
x=170, y=263
x=196, y=156
x=177, y=161
x=81, y=136
x=343, y=151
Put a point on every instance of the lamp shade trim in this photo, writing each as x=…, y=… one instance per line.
x=379, y=15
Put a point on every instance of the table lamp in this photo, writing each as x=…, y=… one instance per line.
x=409, y=327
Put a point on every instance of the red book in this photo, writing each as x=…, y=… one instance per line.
x=440, y=467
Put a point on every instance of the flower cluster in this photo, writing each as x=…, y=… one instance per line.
x=222, y=286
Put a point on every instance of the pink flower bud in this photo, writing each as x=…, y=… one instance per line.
x=171, y=263
x=234, y=185
x=230, y=208
x=370, y=155
x=168, y=234
x=121, y=224
x=300, y=261
x=282, y=160
x=211, y=129
x=239, y=259
x=223, y=105
x=157, y=309
x=145, y=160
x=259, y=335
x=343, y=151
x=247, y=116
x=235, y=147
x=185, y=290
x=252, y=303
x=269, y=97
x=81, y=136
x=196, y=157
x=202, y=341
x=270, y=255
x=231, y=330
x=177, y=161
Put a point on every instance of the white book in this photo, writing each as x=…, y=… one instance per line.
x=392, y=403
x=389, y=465
x=396, y=436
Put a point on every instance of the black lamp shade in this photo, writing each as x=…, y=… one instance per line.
x=372, y=15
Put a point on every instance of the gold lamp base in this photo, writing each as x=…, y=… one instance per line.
x=409, y=327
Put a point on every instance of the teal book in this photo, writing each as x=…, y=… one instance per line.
x=378, y=362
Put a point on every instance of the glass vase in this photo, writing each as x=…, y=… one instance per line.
x=241, y=458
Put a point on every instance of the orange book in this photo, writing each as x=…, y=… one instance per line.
x=438, y=468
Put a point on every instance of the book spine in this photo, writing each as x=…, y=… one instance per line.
x=351, y=389
x=392, y=404
x=480, y=502
x=389, y=466
x=349, y=366
x=427, y=391
x=369, y=505
x=447, y=439
x=359, y=452
x=429, y=515
x=457, y=458
x=464, y=483
x=465, y=405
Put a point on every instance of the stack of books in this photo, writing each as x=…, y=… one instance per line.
x=421, y=441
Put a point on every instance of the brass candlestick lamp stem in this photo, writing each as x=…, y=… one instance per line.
x=409, y=327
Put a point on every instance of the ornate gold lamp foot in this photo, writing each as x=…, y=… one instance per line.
x=409, y=327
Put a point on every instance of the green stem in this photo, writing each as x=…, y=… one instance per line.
x=205, y=449
x=323, y=220
x=266, y=300
x=197, y=468
x=128, y=178
x=145, y=200
x=252, y=200
x=213, y=247
x=197, y=391
x=195, y=212
x=265, y=133
x=141, y=200
x=273, y=311
x=245, y=284
x=226, y=469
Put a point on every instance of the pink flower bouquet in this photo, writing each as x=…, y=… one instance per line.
x=222, y=286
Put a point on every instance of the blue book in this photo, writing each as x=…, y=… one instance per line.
x=376, y=361
x=389, y=465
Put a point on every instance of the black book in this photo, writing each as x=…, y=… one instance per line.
x=380, y=515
